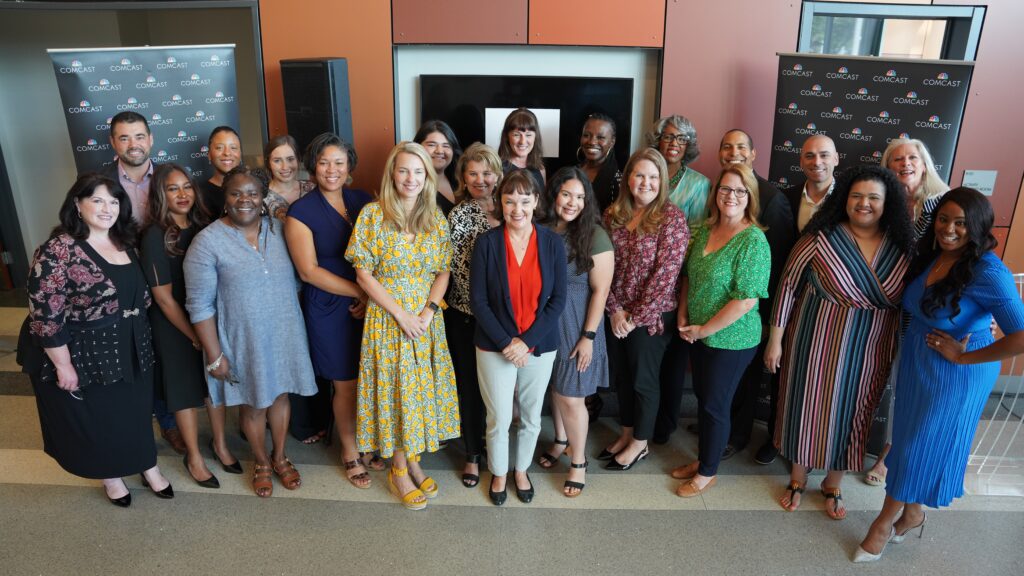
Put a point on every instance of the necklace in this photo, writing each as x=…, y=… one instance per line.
x=245, y=238
x=674, y=180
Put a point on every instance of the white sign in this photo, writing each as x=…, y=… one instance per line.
x=983, y=181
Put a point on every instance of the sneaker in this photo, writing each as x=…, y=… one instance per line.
x=766, y=454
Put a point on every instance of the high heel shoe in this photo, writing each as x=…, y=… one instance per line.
x=547, y=460
x=471, y=480
x=210, y=482
x=428, y=486
x=606, y=454
x=899, y=538
x=413, y=499
x=235, y=468
x=525, y=496
x=578, y=486
x=122, y=502
x=167, y=493
x=862, y=555
x=497, y=498
x=614, y=465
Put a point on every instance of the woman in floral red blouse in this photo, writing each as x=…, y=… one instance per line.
x=650, y=237
x=90, y=358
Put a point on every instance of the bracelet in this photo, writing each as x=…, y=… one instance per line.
x=589, y=334
x=215, y=364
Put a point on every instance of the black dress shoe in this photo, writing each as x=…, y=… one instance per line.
x=614, y=465
x=167, y=493
x=766, y=454
x=606, y=455
x=525, y=496
x=692, y=428
x=210, y=482
x=124, y=501
x=730, y=451
x=498, y=498
x=235, y=468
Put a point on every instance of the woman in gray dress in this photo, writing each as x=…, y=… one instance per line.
x=581, y=365
x=242, y=298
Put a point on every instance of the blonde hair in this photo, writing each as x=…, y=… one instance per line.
x=620, y=213
x=746, y=175
x=477, y=152
x=931, y=185
x=421, y=218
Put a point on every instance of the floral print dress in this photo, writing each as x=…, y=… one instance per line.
x=406, y=398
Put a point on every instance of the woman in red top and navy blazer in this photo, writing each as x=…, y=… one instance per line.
x=517, y=293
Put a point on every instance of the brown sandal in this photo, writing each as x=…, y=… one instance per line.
x=288, y=474
x=361, y=480
x=834, y=494
x=262, y=481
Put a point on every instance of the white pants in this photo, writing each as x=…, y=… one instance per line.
x=498, y=381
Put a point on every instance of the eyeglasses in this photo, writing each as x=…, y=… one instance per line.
x=677, y=138
x=740, y=193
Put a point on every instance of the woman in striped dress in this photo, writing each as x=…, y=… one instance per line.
x=835, y=328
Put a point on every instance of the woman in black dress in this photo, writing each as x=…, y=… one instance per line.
x=175, y=214
x=90, y=357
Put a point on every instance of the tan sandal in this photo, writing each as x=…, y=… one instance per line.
x=262, y=480
x=287, y=473
x=361, y=480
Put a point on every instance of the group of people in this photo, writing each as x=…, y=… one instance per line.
x=449, y=303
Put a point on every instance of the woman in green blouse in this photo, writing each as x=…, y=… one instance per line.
x=726, y=273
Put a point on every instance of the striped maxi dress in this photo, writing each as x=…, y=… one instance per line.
x=841, y=319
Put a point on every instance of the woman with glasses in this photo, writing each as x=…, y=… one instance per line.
x=726, y=273
x=835, y=326
x=86, y=342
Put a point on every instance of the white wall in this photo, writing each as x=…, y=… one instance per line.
x=411, y=61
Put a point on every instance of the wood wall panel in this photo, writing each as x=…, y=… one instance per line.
x=459, y=22
x=358, y=31
x=598, y=22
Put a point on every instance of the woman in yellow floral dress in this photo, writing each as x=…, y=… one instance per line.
x=400, y=249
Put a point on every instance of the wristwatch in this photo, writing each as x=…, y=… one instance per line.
x=589, y=334
x=433, y=306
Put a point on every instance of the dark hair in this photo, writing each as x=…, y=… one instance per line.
x=579, y=232
x=322, y=142
x=242, y=171
x=220, y=129
x=275, y=143
x=123, y=233
x=127, y=117
x=522, y=119
x=431, y=126
x=750, y=139
x=978, y=218
x=895, y=220
x=518, y=181
x=159, y=215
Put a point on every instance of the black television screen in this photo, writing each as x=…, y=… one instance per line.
x=469, y=104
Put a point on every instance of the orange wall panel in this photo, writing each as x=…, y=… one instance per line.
x=358, y=31
x=1013, y=255
x=459, y=22
x=1001, y=233
x=598, y=22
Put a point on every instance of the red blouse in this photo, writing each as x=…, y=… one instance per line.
x=524, y=282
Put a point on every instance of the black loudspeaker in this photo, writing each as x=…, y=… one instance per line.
x=316, y=98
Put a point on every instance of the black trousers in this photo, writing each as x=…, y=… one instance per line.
x=312, y=414
x=673, y=382
x=716, y=375
x=459, y=328
x=744, y=404
x=637, y=358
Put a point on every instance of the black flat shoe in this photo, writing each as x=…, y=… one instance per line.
x=123, y=502
x=614, y=465
x=167, y=493
x=235, y=468
x=525, y=496
x=606, y=455
x=210, y=482
x=498, y=498
x=471, y=480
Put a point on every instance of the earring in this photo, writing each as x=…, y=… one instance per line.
x=79, y=215
x=579, y=154
x=935, y=243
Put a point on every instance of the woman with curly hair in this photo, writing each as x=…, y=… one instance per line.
x=948, y=365
x=838, y=308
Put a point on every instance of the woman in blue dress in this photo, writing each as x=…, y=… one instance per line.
x=948, y=365
x=317, y=230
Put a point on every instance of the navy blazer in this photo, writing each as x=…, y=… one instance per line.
x=491, y=303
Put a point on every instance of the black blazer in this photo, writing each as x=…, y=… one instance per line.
x=794, y=194
x=777, y=215
x=489, y=294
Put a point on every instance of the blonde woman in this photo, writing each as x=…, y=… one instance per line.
x=401, y=251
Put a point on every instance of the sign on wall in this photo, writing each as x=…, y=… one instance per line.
x=183, y=92
x=863, y=103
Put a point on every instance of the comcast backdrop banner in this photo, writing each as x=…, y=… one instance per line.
x=183, y=91
x=863, y=103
